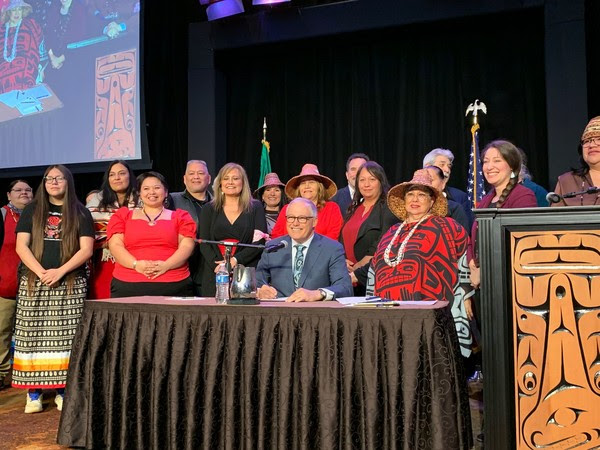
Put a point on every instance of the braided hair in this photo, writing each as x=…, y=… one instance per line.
x=510, y=153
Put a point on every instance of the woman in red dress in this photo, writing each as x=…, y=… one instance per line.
x=151, y=245
x=417, y=259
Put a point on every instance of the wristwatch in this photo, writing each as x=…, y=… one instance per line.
x=323, y=293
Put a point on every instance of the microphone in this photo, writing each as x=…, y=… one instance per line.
x=553, y=197
x=591, y=190
x=275, y=247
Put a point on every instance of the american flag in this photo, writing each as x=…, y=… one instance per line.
x=475, y=190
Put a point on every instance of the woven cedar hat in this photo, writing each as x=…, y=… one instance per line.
x=15, y=4
x=592, y=129
x=421, y=177
x=311, y=171
x=271, y=179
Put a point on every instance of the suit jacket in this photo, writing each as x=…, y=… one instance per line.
x=462, y=199
x=324, y=267
x=343, y=199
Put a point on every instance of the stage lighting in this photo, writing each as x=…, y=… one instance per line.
x=268, y=2
x=223, y=8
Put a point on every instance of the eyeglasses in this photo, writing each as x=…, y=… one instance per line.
x=18, y=191
x=300, y=219
x=420, y=196
x=591, y=141
x=58, y=179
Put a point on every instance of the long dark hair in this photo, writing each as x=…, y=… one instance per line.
x=510, y=154
x=284, y=199
x=109, y=197
x=377, y=171
x=72, y=211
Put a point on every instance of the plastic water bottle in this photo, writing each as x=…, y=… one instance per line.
x=222, y=283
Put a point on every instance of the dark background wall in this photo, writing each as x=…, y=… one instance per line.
x=391, y=79
x=385, y=77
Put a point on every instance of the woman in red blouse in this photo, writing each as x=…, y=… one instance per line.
x=368, y=218
x=317, y=188
x=151, y=245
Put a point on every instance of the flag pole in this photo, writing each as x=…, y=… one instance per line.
x=265, y=129
x=265, y=159
x=475, y=184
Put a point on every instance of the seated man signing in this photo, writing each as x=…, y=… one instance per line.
x=311, y=267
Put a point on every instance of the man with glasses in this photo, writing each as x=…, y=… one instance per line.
x=311, y=267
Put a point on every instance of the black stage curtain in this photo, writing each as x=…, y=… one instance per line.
x=592, y=38
x=394, y=94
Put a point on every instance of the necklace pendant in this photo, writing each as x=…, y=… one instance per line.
x=151, y=224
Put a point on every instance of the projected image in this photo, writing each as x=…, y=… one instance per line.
x=69, y=87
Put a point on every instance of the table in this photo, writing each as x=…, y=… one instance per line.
x=158, y=373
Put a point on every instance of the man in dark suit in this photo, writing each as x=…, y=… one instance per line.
x=309, y=268
x=344, y=196
x=443, y=158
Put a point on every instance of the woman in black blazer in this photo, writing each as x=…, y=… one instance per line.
x=367, y=218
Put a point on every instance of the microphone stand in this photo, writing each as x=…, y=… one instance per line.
x=590, y=190
x=228, y=246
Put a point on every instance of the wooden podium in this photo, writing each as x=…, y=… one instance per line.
x=540, y=311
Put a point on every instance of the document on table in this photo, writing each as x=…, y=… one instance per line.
x=364, y=301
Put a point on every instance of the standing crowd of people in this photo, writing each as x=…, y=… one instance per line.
x=414, y=241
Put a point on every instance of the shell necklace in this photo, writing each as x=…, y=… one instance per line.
x=393, y=262
x=152, y=222
x=10, y=58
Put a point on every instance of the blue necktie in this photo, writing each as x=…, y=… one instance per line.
x=298, y=263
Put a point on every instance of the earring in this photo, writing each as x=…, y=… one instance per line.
x=512, y=175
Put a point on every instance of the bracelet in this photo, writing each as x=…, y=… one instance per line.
x=134, y=264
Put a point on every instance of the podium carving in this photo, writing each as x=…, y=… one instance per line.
x=551, y=327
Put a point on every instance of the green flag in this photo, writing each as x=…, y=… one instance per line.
x=265, y=162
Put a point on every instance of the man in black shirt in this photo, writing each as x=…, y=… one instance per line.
x=196, y=194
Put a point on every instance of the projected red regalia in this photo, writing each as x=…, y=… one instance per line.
x=19, y=60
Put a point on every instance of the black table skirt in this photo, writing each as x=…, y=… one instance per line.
x=251, y=377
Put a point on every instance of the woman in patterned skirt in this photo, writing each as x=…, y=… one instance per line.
x=55, y=238
x=417, y=259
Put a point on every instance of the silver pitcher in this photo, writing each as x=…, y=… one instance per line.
x=243, y=286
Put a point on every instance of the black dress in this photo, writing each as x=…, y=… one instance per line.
x=215, y=226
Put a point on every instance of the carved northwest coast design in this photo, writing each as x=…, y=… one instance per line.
x=115, y=105
x=556, y=318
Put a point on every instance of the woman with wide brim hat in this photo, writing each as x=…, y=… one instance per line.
x=12, y=5
x=417, y=259
x=20, y=40
x=317, y=188
x=272, y=196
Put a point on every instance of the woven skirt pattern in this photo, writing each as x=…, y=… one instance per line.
x=46, y=321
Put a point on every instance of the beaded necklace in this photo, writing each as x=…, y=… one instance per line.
x=11, y=58
x=152, y=222
x=393, y=262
